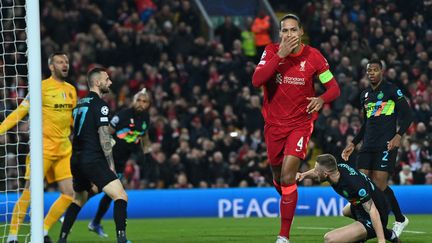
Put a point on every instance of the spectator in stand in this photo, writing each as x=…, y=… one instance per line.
x=102, y=32
x=261, y=29
x=227, y=33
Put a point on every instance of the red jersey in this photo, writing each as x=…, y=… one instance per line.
x=288, y=82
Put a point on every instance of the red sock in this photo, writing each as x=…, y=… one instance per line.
x=288, y=205
x=277, y=187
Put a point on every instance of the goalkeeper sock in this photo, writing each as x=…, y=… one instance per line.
x=288, y=205
x=56, y=211
x=394, y=204
x=70, y=216
x=120, y=215
x=104, y=204
x=19, y=212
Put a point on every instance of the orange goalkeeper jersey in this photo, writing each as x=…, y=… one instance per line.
x=58, y=100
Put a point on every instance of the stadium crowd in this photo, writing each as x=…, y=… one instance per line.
x=206, y=125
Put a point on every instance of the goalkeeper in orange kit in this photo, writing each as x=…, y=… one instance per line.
x=58, y=100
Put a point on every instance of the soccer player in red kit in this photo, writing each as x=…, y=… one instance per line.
x=286, y=72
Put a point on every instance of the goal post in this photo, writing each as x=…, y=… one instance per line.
x=20, y=75
x=35, y=92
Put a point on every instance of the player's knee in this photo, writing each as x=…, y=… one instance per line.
x=287, y=179
x=79, y=201
x=124, y=196
x=121, y=195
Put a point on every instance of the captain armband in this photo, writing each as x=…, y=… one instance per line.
x=325, y=76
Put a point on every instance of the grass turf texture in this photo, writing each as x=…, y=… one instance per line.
x=305, y=229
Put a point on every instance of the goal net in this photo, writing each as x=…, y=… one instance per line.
x=13, y=88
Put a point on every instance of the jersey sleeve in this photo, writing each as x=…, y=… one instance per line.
x=322, y=68
x=405, y=114
x=267, y=66
x=115, y=120
x=267, y=55
x=396, y=94
x=17, y=115
x=364, y=194
x=102, y=113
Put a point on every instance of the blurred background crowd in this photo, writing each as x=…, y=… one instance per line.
x=206, y=125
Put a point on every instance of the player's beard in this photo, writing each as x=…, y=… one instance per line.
x=140, y=108
x=104, y=90
x=60, y=74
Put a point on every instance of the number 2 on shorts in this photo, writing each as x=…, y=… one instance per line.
x=384, y=158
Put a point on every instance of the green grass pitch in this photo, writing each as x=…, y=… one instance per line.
x=305, y=229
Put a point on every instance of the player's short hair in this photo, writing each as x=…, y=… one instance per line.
x=376, y=61
x=290, y=16
x=51, y=57
x=327, y=161
x=91, y=74
x=143, y=92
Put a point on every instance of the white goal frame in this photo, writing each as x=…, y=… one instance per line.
x=35, y=94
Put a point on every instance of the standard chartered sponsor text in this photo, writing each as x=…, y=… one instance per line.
x=293, y=80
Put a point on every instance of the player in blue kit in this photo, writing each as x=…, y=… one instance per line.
x=129, y=128
x=385, y=108
x=367, y=204
x=92, y=161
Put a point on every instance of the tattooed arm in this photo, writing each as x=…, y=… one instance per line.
x=371, y=209
x=105, y=140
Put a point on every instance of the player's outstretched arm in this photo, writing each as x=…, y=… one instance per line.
x=308, y=174
x=370, y=208
x=13, y=118
x=348, y=151
x=105, y=141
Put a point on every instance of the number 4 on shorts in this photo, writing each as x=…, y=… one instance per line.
x=299, y=145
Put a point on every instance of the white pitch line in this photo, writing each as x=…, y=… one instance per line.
x=327, y=228
x=315, y=228
x=414, y=232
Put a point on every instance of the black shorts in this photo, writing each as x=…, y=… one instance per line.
x=363, y=217
x=381, y=161
x=120, y=165
x=87, y=172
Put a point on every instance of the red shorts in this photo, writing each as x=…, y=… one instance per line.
x=282, y=141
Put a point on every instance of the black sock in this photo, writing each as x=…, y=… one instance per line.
x=394, y=204
x=102, y=209
x=69, y=219
x=120, y=216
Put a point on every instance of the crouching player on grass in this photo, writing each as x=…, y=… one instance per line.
x=367, y=204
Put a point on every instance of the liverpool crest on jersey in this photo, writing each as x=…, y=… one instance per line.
x=302, y=66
